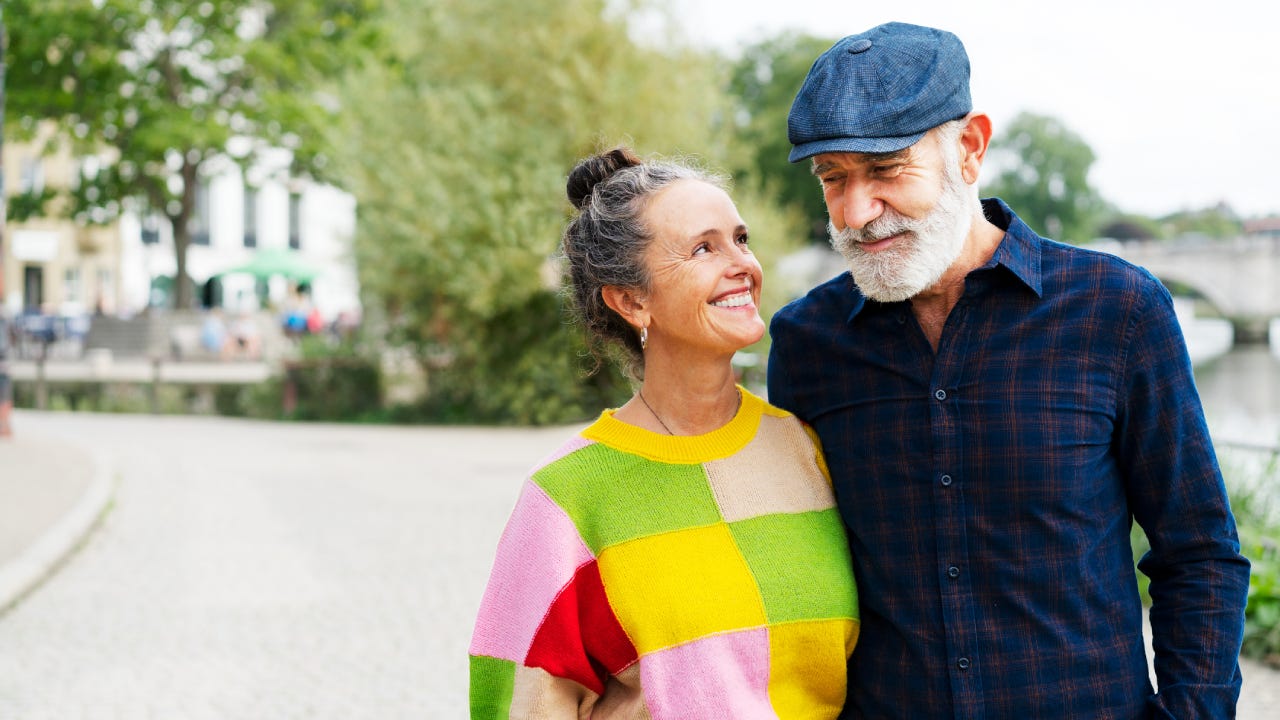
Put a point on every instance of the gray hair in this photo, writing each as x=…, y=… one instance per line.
x=605, y=244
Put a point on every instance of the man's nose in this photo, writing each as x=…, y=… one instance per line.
x=859, y=205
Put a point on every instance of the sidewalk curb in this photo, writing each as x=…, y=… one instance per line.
x=40, y=561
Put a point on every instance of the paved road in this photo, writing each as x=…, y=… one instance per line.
x=251, y=570
x=270, y=571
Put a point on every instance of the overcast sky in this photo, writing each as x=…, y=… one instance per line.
x=1179, y=100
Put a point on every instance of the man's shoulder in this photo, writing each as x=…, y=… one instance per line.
x=834, y=298
x=1074, y=265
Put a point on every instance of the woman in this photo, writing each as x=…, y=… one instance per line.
x=681, y=557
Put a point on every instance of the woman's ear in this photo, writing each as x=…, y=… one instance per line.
x=628, y=303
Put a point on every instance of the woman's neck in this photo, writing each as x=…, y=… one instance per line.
x=683, y=398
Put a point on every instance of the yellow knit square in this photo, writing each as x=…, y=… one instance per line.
x=674, y=587
x=807, y=667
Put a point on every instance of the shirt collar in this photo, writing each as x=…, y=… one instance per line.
x=1018, y=252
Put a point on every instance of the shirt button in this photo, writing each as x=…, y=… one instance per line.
x=953, y=572
x=946, y=480
x=940, y=394
x=963, y=663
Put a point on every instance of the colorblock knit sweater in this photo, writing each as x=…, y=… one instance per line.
x=651, y=576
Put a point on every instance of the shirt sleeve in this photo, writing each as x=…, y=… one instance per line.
x=1199, y=580
x=528, y=655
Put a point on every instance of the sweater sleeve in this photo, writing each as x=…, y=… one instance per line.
x=534, y=651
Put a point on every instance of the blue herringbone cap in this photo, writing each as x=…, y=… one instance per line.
x=880, y=91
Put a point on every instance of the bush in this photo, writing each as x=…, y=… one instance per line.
x=334, y=383
x=525, y=366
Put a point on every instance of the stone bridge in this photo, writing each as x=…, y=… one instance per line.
x=1240, y=277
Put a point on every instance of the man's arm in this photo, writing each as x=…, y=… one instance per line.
x=1199, y=580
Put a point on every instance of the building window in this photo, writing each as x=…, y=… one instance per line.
x=295, y=221
x=199, y=223
x=31, y=178
x=71, y=285
x=106, y=290
x=150, y=230
x=250, y=217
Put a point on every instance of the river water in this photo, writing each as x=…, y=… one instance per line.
x=1241, y=395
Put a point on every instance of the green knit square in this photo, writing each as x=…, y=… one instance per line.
x=614, y=497
x=802, y=563
x=492, y=681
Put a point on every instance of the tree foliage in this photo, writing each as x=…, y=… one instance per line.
x=1213, y=222
x=1130, y=227
x=1043, y=173
x=156, y=89
x=762, y=85
x=457, y=151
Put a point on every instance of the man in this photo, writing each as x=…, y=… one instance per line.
x=996, y=409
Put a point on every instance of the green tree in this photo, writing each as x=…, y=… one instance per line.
x=1219, y=221
x=457, y=151
x=154, y=90
x=1130, y=227
x=1043, y=173
x=762, y=85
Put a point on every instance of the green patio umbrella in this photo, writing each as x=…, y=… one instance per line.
x=269, y=262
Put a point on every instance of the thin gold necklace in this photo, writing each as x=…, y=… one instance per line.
x=654, y=412
x=658, y=417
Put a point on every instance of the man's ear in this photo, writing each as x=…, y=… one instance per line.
x=629, y=303
x=974, y=141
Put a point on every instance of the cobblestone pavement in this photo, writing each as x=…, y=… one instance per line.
x=271, y=571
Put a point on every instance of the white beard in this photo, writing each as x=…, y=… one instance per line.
x=917, y=261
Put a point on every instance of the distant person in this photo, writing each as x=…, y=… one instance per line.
x=6, y=382
x=997, y=409
x=315, y=321
x=245, y=335
x=681, y=557
x=213, y=334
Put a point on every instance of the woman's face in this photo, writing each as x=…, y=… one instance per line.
x=704, y=289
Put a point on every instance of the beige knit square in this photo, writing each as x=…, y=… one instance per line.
x=777, y=472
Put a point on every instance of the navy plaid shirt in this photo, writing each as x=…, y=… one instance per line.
x=989, y=491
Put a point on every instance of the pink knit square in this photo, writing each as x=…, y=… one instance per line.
x=722, y=676
x=537, y=557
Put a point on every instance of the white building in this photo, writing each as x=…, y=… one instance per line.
x=237, y=215
x=54, y=266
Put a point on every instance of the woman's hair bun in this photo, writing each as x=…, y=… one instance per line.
x=595, y=169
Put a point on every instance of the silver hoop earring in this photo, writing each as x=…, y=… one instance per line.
x=644, y=338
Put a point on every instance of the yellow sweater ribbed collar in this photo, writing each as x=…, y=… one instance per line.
x=715, y=445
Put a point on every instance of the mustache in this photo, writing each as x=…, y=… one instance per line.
x=879, y=229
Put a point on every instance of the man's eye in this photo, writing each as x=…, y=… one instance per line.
x=701, y=249
x=742, y=239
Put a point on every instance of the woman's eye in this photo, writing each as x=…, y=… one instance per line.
x=742, y=239
x=701, y=249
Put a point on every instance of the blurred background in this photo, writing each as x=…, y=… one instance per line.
x=365, y=196
x=348, y=210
